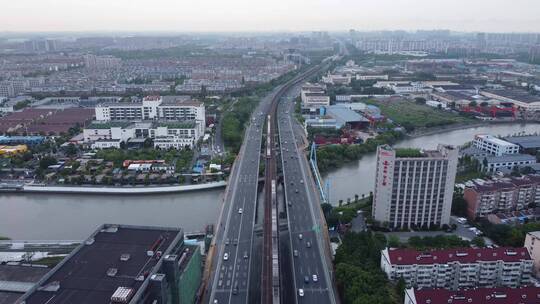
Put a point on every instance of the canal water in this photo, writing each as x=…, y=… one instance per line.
x=359, y=177
x=74, y=217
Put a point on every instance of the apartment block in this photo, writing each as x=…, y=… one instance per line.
x=494, y=145
x=94, y=62
x=532, y=243
x=414, y=187
x=459, y=268
x=501, y=295
x=502, y=195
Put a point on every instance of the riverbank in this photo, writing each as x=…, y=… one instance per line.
x=357, y=177
x=31, y=188
x=456, y=127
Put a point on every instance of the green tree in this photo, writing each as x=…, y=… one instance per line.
x=479, y=241
x=420, y=100
x=459, y=205
x=401, y=285
x=71, y=150
x=393, y=241
x=47, y=161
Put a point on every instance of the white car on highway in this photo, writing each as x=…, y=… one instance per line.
x=225, y=256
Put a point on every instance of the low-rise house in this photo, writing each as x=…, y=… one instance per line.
x=514, y=217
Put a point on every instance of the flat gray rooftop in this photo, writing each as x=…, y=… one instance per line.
x=83, y=277
x=526, y=142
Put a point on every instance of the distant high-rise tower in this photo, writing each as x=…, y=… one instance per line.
x=414, y=187
x=481, y=42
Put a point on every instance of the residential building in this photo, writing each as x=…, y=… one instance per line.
x=172, y=108
x=7, y=89
x=459, y=267
x=124, y=264
x=94, y=62
x=414, y=187
x=502, y=195
x=532, y=243
x=501, y=295
x=494, y=145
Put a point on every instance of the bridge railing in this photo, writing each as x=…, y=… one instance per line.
x=316, y=173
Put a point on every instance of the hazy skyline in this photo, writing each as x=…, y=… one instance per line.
x=276, y=15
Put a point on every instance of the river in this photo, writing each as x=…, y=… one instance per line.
x=64, y=216
x=74, y=217
x=359, y=177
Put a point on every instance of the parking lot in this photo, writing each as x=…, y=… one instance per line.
x=462, y=230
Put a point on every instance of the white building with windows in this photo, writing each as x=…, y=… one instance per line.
x=170, y=108
x=414, y=188
x=314, y=96
x=165, y=134
x=506, y=162
x=459, y=268
x=494, y=145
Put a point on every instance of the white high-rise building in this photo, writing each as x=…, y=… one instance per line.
x=414, y=188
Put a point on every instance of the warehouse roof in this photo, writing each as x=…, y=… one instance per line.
x=112, y=258
x=526, y=142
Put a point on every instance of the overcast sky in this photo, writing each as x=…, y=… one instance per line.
x=271, y=15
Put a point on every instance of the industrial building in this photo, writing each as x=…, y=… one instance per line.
x=166, y=134
x=336, y=117
x=414, y=188
x=506, y=163
x=124, y=264
x=174, y=108
x=314, y=97
x=528, y=144
x=17, y=279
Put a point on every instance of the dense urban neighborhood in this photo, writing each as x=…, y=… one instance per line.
x=345, y=167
